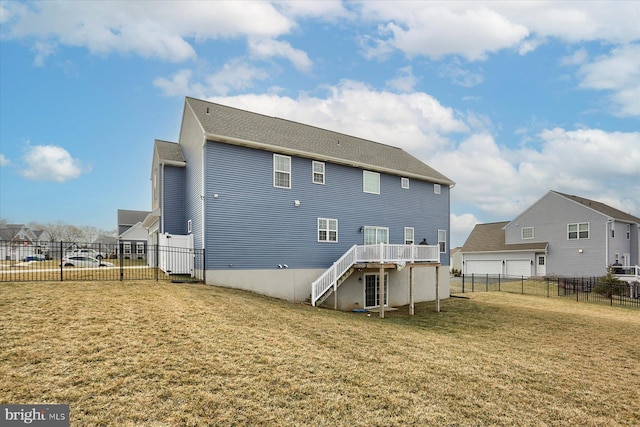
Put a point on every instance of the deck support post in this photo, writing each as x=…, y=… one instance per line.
x=411, y=304
x=438, y=288
x=382, y=291
x=335, y=296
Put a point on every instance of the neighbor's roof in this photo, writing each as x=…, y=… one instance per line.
x=235, y=126
x=126, y=217
x=491, y=238
x=168, y=151
x=602, y=208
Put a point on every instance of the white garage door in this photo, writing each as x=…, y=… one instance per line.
x=483, y=267
x=518, y=267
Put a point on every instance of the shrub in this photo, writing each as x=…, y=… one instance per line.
x=609, y=285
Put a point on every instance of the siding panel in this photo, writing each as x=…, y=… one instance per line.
x=252, y=224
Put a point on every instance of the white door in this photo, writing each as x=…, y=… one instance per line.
x=483, y=267
x=541, y=265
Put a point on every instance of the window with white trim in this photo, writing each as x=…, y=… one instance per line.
x=442, y=240
x=409, y=234
x=437, y=188
x=371, y=182
x=140, y=248
x=404, y=183
x=318, y=172
x=628, y=231
x=189, y=226
x=376, y=235
x=578, y=231
x=527, y=233
x=126, y=247
x=281, y=171
x=327, y=230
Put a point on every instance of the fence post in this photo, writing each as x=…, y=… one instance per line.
x=499, y=275
x=486, y=283
x=463, y=283
x=156, y=263
x=522, y=283
x=121, y=257
x=547, y=287
x=473, y=282
x=61, y=266
x=204, y=266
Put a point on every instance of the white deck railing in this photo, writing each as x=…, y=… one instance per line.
x=382, y=253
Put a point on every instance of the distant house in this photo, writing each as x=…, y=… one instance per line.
x=456, y=259
x=18, y=241
x=132, y=236
x=559, y=235
x=276, y=205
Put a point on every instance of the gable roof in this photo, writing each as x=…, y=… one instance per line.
x=127, y=217
x=168, y=151
x=234, y=126
x=491, y=238
x=601, y=207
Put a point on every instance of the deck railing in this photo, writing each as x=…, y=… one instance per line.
x=382, y=253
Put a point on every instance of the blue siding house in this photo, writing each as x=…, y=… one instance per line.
x=276, y=204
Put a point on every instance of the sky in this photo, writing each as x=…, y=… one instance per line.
x=508, y=99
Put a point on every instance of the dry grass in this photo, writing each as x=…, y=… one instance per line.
x=160, y=354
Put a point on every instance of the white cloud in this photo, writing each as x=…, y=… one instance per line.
x=4, y=161
x=461, y=226
x=268, y=48
x=404, y=82
x=50, y=163
x=619, y=73
x=473, y=29
x=459, y=75
x=160, y=30
x=235, y=75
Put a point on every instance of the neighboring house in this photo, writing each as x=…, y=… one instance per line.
x=132, y=236
x=559, y=235
x=275, y=204
x=456, y=260
x=18, y=241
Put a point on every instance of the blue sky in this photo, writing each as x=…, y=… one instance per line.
x=508, y=99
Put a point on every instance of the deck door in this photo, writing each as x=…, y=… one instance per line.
x=372, y=290
x=541, y=265
x=376, y=235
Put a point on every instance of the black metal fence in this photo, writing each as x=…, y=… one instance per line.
x=583, y=289
x=60, y=261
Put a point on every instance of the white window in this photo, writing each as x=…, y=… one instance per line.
x=404, y=183
x=442, y=240
x=409, y=236
x=126, y=247
x=318, y=172
x=628, y=231
x=371, y=182
x=189, y=226
x=376, y=235
x=527, y=233
x=436, y=188
x=140, y=248
x=281, y=171
x=327, y=230
x=578, y=231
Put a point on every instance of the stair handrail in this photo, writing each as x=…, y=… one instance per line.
x=330, y=277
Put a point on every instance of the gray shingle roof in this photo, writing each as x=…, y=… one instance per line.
x=168, y=151
x=127, y=217
x=491, y=238
x=602, y=208
x=280, y=135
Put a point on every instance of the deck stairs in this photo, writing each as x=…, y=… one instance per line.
x=381, y=253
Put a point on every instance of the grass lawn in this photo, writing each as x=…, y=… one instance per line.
x=162, y=354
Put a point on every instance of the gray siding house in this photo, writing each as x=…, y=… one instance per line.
x=275, y=204
x=559, y=235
